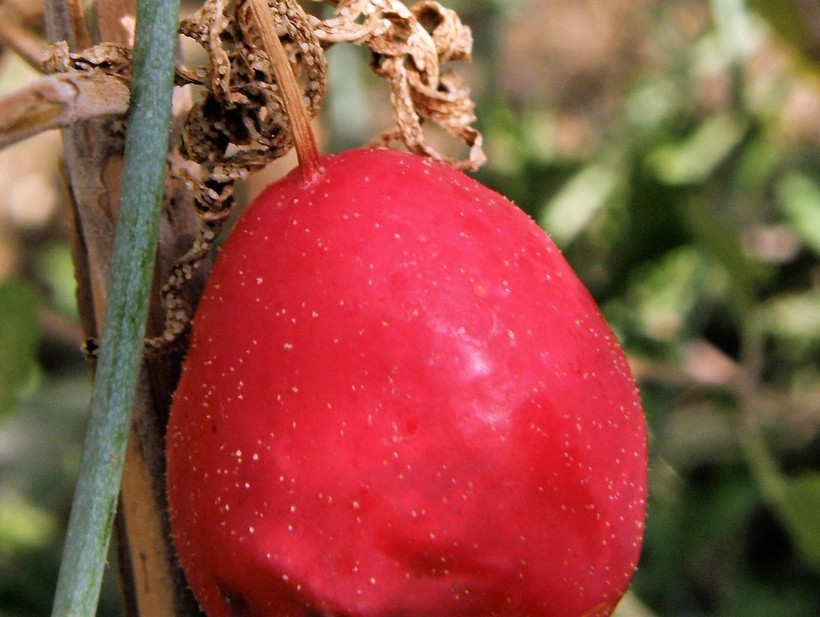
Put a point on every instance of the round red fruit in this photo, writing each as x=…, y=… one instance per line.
x=399, y=400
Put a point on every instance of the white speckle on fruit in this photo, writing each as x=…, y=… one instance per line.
x=511, y=378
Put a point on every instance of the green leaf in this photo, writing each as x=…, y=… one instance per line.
x=734, y=29
x=799, y=196
x=801, y=512
x=784, y=16
x=723, y=242
x=19, y=335
x=53, y=265
x=794, y=316
x=792, y=20
x=694, y=159
x=667, y=292
x=567, y=214
x=23, y=525
x=795, y=499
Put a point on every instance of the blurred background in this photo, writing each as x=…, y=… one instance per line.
x=672, y=149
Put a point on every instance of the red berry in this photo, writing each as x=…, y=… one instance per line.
x=399, y=400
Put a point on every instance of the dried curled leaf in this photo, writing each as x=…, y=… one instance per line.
x=241, y=123
x=409, y=46
x=107, y=58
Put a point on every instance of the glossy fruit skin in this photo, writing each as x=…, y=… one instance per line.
x=400, y=401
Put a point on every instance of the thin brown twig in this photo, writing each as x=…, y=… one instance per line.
x=65, y=21
x=29, y=12
x=25, y=43
x=58, y=101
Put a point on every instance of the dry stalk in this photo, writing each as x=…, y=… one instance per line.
x=409, y=47
x=26, y=44
x=60, y=100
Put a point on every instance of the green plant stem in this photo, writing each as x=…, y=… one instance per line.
x=146, y=146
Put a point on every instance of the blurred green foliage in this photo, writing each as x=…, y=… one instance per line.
x=672, y=149
x=19, y=335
